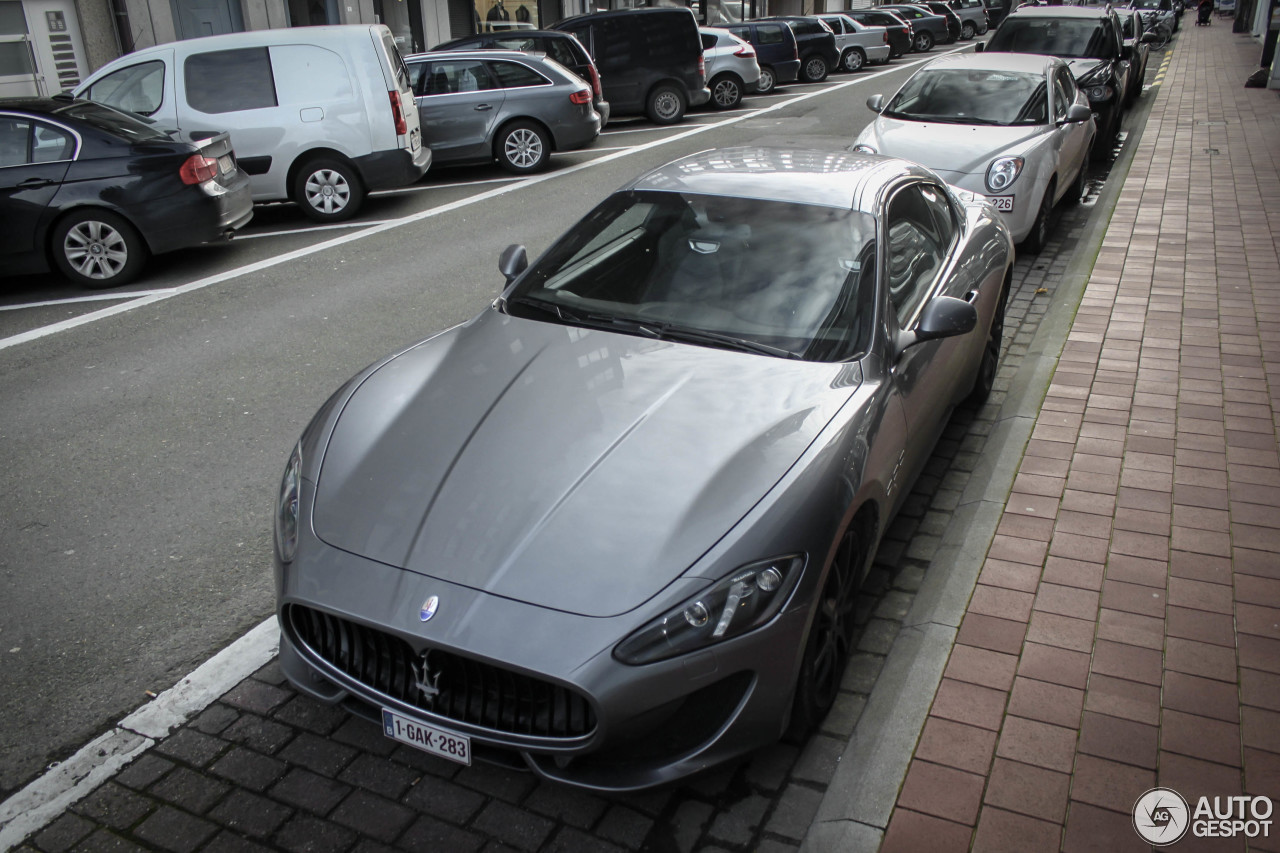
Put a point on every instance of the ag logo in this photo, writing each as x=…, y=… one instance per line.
x=1161, y=816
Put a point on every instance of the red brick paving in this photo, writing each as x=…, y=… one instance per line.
x=1125, y=631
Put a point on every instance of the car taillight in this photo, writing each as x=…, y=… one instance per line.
x=595, y=79
x=397, y=113
x=582, y=96
x=198, y=169
x=886, y=36
x=702, y=66
x=746, y=51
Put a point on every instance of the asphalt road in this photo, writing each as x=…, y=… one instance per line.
x=143, y=432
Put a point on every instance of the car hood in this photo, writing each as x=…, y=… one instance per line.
x=573, y=469
x=969, y=149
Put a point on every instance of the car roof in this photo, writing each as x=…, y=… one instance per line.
x=1088, y=12
x=478, y=53
x=319, y=35
x=833, y=178
x=1035, y=63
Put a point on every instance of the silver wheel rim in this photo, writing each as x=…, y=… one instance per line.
x=666, y=105
x=969, y=31
x=922, y=42
x=852, y=61
x=766, y=80
x=814, y=68
x=95, y=250
x=726, y=93
x=523, y=148
x=327, y=191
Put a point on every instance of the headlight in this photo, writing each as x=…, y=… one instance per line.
x=864, y=149
x=1099, y=93
x=744, y=600
x=287, y=507
x=1002, y=172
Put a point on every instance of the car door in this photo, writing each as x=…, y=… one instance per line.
x=458, y=101
x=1073, y=138
x=921, y=235
x=34, y=158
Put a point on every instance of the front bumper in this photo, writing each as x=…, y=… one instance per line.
x=644, y=725
x=1024, y=198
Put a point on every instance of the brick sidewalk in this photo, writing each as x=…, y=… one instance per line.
x=1125, y=629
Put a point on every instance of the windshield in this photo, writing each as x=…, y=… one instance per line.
x=1052, y=36
x=784, y=279
x=1145, y=4
x=129, y=125
x=972, y=96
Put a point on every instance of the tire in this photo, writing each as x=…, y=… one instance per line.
x=922, y=42
x=968, y=30
x=814, y=69
x=854, y=59
x=1162, y=38
x=666, y=104
x=768, y=81
x=1038, y=238
x=328, y=190
x=830, y=639
x=984, y=29
x=1082, y=183
x=726, y=92
x=985, y=379
x=98, y=248
x=522, y=147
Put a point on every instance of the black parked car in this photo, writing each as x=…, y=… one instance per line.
x=776, y=51
x=816, y=43
x=562, y=47
x=650, y=60
x=955, y=27
x=996, y=11
x=927, y=27
x=1091, y=40
x=899, y=31
x=93, y=191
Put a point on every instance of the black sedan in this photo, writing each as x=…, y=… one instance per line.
x=94, y=192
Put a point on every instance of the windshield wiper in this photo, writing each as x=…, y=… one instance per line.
x=559, y=312
x=667, y=331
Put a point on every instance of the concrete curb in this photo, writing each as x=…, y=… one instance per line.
x=855, y=810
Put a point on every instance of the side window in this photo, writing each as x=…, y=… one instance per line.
x=561, y=51
x=771, y=34
x=512, y=75
x=50, y=144
x=708, y=41
x=224, y=81
x=518, y=43
x=743, y=33
x=14, y=135
x=1061, y=99
x=138, y=88
x=306, y=74
x=450, y=76
x=917, y=248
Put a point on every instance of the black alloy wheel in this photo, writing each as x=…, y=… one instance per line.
x=830, y=640
x=923, y=42
x=1039, y=236
x=985, y=380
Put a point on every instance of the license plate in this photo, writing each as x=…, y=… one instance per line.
x=1002, y=203
x=446, y=744
x=226, y=164
x=415, y=140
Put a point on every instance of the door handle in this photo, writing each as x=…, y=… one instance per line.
x=483, y=107
x=35, y=184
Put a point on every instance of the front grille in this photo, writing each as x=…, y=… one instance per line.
x=466, y=690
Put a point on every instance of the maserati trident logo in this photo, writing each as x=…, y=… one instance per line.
x=426, y=680
x=429, y=608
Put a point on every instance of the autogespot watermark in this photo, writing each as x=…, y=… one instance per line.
x=1162, y=816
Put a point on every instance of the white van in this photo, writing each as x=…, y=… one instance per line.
x=320, y=115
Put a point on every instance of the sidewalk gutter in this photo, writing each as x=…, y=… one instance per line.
x=854, y=813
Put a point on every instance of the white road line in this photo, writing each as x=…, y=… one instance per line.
x=218, y=278
x=288, y=231
x=417, y=188
x=96, y=297
x=69, y=781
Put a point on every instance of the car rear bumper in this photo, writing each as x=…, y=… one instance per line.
x=698, y=97
x=786, y=72
x=383, y=170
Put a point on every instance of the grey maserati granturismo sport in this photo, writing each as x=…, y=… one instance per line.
x=612, y=528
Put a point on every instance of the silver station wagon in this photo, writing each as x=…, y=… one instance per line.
x=509, y=106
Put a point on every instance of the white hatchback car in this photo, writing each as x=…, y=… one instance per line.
x=1010, y=126
x=732, y=68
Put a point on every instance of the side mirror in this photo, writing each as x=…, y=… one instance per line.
x=943, y=317
x=875, y=103
x=1077, y=113
x=513, y=261
x=977, y=48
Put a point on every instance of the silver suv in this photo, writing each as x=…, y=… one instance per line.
x=732, y=68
